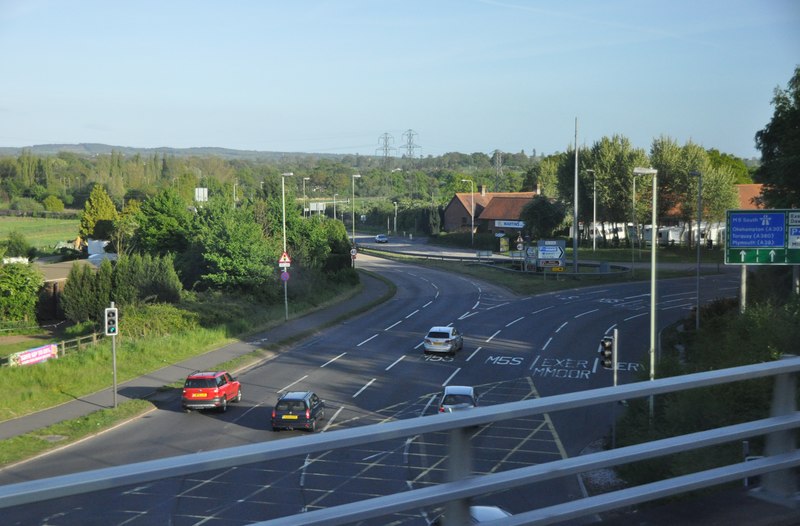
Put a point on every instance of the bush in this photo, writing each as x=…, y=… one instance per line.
x=53, y=204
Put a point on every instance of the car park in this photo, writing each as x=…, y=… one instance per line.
x=458, y=398
x=210, y=390
x=381, y=238
x=298, y=410
x=443, y=340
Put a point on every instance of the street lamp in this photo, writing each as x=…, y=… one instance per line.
x=653, y=244
x=334, y=205
x=283, y=209
x=697, y=240
x=472, y=211
x=304, y=194
x=395, y=218
x=355, y=176
x=594, y=210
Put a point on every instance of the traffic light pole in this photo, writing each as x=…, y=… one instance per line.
x=111, y=321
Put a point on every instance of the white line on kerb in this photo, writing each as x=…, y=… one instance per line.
x=492, y=336
x=362, y=389
x=515, y=321
x=585, y=313
x=547, y=343
x=416, y=311
x=427, y=304
x=368, y=339
x=562, y=326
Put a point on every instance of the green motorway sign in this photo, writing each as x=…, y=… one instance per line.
x=762, y=237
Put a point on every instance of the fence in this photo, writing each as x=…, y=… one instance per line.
x=778, y=480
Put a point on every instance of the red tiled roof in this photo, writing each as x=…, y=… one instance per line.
x=506, y=207
x=748, y=195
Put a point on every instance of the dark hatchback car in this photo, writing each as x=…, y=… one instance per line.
x=298, y=410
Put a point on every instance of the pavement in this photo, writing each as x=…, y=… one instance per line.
x=728, y=506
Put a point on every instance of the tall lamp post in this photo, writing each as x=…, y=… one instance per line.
x=594, y=210
x=353, y=204
x=472, y=209
x=697, y=241
x=283, y=209
x=334, y=205
x=653, y=245
x=395, y=218
x=304, y=194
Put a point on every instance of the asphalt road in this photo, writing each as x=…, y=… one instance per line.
x=371, y=369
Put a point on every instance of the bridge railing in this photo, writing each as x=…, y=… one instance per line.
x=776, y=467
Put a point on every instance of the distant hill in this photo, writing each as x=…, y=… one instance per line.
x=92, y=149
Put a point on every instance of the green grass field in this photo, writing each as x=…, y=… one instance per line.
x=42, y=234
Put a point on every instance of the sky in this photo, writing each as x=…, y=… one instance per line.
x=350, y=76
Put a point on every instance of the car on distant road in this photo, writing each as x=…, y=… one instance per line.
x=381, y=238
x=479, y=514
x=443, y=340
x=210, y=390
x=298, y=410
x=458, y=398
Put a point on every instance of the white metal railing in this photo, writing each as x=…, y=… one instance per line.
x=776, y=466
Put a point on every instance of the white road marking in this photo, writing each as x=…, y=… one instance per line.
x=332, y=360
x=293, y=383
x=395, y=362
x=451, y=377
x=368, y=339
x=362, y=389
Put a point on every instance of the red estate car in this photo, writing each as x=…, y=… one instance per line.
x=209, y=390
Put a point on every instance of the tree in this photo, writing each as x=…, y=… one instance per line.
x=20, y=284
x=77, y=298
x=99, y=214
x=163, y=222
x=543, y=216
x=779, y=143
x=228, y=250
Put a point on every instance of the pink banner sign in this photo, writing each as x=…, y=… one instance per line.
x=37, y=355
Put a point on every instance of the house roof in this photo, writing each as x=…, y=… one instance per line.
x=505, y=207
x=483, y=200
x=748, y=196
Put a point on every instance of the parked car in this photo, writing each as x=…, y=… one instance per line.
x=381, y=238
x=298, y=410
x=443, y=340
x=458, y=398
x=210, y=390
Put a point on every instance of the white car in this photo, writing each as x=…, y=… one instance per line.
x=458, y=398
x=443, y=340
x=381, y=238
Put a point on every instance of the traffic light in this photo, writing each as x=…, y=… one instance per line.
x=111, y=321
x=606, y=352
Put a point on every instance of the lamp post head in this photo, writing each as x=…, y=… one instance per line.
x=287, y=174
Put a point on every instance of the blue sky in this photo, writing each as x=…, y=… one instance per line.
x=334, y=76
